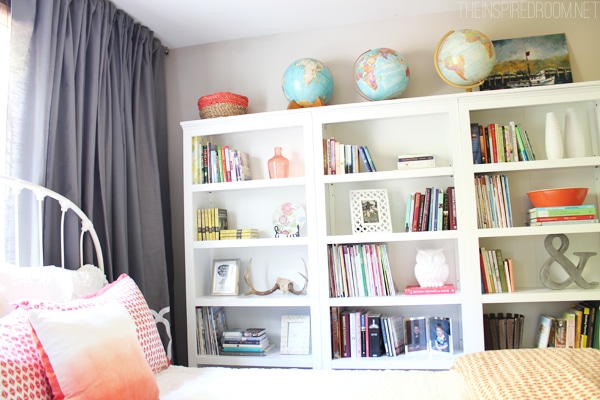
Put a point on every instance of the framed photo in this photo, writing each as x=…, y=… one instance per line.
x=415, y=334
x=370, y=211
x=225, y=277
x=440, y=335
x=295, y=334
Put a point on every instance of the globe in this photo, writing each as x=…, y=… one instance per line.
x=381, y=74
x=307, y=82
x=464, y=58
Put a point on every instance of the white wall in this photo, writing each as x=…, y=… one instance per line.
x=254, y=67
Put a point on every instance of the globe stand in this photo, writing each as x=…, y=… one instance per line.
x=293, y=105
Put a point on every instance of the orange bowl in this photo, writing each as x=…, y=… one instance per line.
x=557, y=197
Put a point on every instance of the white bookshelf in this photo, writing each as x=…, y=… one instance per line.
x=439, y=125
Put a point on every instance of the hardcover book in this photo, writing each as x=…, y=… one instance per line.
x=542, y=335
x=416, y=289
x=376, y=347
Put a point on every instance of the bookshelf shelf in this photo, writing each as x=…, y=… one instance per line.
x=437, y=125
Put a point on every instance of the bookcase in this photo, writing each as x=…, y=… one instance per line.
x=437, y=125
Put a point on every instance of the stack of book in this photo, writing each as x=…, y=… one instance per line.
x=494, y=143
x=493, y=202
x=210, y=325
x=541, y=216
x=503, y=331
x=232, y=234
x=339, y=158
x=245, y=342
x=497, y=272
x=210, y=221
x=434, y=209
x=408, y=161
x=577, y=327
x=212, y=163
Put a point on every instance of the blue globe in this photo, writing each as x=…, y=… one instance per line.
x=381, y=74
x=307, y=80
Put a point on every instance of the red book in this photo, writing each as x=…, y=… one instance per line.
x=417, y=201
x=562, y=218
x=416, y=289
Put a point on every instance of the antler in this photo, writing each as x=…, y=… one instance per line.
x=249, y=283
x=283, y=284
x=305, y=276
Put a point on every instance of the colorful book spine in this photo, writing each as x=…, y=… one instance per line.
x=417, y=290
x=585, y=209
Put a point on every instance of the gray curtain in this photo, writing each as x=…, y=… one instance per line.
x=88, y=120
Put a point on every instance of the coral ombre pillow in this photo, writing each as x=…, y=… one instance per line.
x=93, y=354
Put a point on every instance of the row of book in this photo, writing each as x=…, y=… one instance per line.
x=497, y=272
x=357, y=333
x=339, y=158
x=582, y=214
x=577, y=327
x=494, y=143
x=245, y=342
x=213, y=163
x=503, y=331
x=434, y=209
x=210, y=222
x=493, y=202
x=359, y=270
x=210, y=325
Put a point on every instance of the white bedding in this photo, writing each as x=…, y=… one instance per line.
x=183, y=383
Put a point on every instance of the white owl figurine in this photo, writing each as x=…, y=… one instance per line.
x=431, y=269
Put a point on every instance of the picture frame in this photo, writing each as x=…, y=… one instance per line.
x=295, y=334
x=440, y=335
x=225, y=277
x=370, y=211
x=415, y=334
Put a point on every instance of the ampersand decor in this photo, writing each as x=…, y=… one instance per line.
x=574, y=271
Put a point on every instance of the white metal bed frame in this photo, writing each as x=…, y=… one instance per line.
x=12, y=188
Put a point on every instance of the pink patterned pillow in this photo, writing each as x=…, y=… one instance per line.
x=126, y=292
x=22, y=374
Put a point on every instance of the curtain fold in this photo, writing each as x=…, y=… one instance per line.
x=89, y=121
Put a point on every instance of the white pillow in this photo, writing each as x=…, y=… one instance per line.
x=46, y=283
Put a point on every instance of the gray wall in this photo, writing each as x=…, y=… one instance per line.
x=254, y=67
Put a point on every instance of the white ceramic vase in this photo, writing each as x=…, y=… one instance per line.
x=553, y=137
x=431, y=269
x=574, y=141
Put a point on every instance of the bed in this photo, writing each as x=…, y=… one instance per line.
x=68, y=333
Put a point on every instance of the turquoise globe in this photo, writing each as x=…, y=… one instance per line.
x=381, y=74
x=464, y=58
x=307, y=82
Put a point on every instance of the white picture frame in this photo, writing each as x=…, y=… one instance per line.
x=225, y=277
x=295, y=334
x=370, y=211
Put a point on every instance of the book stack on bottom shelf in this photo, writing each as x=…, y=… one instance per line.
x=503, y=331
x=577, y=327
x=245, y=342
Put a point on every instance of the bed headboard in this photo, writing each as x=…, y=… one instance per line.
x=12, y=189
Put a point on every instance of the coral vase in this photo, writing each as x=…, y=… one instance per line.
x=279, y=166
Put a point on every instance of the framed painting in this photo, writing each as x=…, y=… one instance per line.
x=226, y=275
x=530, y=61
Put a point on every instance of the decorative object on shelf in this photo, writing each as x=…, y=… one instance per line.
x=370, y=211
x=295, y=334
x=279, y=166
x=574, y=271
x=222, y=104
x=558, y=197
x=307, y=82
x=553, y=137
x=431, y=269
x=381, y=74
x=226, y=275
x=288, y=219
x=464, y=58
x=574, y=140
x=285, y=285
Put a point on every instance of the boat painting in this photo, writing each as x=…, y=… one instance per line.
x=530, y=61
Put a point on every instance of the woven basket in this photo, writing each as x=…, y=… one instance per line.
x=222, y=104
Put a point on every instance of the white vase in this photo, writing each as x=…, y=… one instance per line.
x=553, y=137
x=574, y=141
x=431, y=269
